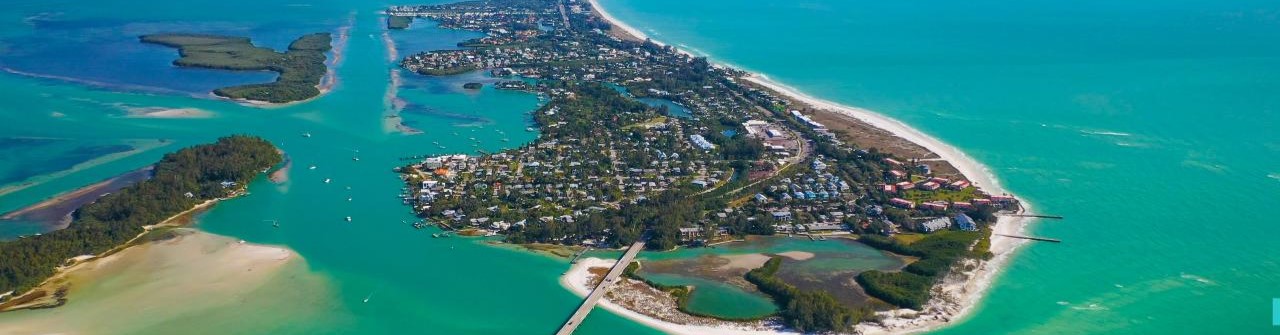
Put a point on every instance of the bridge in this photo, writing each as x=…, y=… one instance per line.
x=595, y=295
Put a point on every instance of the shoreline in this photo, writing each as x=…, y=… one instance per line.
x=56, y=283
x=204, y=264
x=66, y=203
x=970, y=290
x=575, y=280
x=326, y=84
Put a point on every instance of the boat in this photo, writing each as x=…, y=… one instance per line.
x=313, y=167
x=348, y=198
x=528, y=129
x=348, y=219
x=355, y=158
x=327, y=180
x=306, y=134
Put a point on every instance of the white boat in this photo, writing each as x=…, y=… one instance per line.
x=306, y=134
x=313, y=167
x=327, y=180
x=348, y=219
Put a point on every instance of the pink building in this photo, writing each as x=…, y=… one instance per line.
x=929, y=186
x=937, y=206
x=897, y=174
x=899, y=202
x=888, y=188
x=906, y=185
x=958, y=185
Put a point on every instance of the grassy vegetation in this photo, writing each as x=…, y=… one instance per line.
x=300, y=68
x=398, y=22
x=910, y=287
x=908, y=239
x=942, y=194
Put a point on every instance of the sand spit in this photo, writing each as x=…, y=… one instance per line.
x=150, y=283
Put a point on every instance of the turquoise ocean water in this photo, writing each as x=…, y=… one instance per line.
x=1150, y=125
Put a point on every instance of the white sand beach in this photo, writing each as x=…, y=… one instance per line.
x=168, y=113
x=577, y=280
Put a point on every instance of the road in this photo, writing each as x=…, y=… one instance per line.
x=595, y=295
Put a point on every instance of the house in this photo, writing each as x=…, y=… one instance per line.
x=964, y=222
x=934, y=205
x=935, y=224
x=690, y=233
x=903, y=203
x=782, y=215
x=888, y=188
x=701, y=142
x=958, y=185
x=1003, y=199
x=929, y=186
x=897, y=174
x=892, y=161
x=906, y=185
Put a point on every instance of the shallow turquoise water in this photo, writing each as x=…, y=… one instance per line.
x=1150, y=125
x=717, y=298
x=418, y=284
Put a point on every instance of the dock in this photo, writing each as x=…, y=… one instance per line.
x=1057, y=217
x=592, y=298
x=1045, y=239
x=579, y=255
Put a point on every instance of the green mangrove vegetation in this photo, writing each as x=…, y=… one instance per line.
x=398, y=22
x=909, y=288
x=805, y=311
x=301, y=67
x=180, y=181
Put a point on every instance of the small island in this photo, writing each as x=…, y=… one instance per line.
x=182, y=181
x=301, y=67
x=398, y=22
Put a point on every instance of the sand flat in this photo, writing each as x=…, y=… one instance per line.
x=141, y=288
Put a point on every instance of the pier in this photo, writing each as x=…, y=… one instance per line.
x=1045, y=239
x=1057, y=217
x=595, y=295
x=579, y=255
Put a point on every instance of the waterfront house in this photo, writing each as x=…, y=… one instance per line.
x=935, y=224
x=964, y=222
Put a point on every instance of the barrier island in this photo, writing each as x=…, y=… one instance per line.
x=613, y=164
x=190, y=178
x=301, y=67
